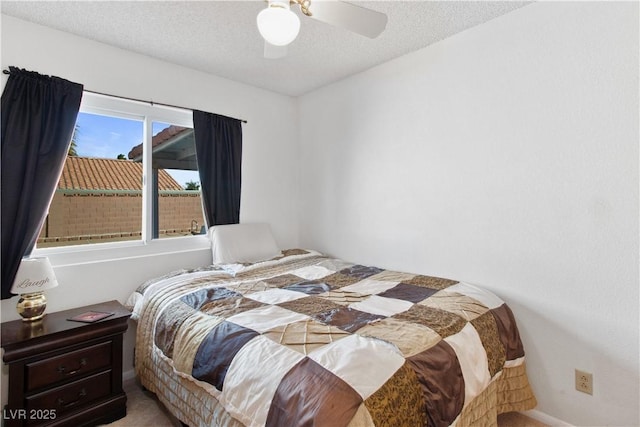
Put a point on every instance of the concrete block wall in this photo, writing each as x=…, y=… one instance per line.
x=101, y=216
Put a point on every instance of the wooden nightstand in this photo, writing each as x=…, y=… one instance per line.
x=63, y=372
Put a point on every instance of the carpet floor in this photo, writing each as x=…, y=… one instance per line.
x=144, y=410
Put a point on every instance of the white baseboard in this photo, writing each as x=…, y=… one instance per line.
x=130, y=375
x=546, y=419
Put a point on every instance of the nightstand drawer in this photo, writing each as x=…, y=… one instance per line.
x=68, y=366
x=71, y=396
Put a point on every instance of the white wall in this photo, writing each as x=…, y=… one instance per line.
x=269, y=186
x=505, y=156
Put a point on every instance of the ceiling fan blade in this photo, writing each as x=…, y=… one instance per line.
x=274, y=52
x=354, y=18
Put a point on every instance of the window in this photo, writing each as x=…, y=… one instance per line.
x=131, y=175
x=179, y=204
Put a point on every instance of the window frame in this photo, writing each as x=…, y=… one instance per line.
x=148, y=114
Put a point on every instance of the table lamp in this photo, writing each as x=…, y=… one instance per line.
x=35, y=275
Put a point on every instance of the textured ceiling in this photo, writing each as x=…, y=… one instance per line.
x=221, y=38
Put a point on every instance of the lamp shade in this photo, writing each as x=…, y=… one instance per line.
x=34, y=275
x=277, y=24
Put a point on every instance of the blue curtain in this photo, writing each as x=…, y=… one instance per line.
x=219, y=155
x=38, y=118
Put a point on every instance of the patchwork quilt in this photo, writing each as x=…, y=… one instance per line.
x=307, y=339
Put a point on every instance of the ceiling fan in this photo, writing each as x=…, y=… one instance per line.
x=279, y=26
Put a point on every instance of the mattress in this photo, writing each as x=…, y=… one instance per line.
x=306, y=339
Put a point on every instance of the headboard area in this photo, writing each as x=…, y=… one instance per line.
x=242, y=243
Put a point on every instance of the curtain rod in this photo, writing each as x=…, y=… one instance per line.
x=148, y=102
x=134, y=99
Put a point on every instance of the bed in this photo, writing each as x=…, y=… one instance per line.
x=299, y=338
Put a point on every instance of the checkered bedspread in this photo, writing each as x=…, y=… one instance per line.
x=310, y=340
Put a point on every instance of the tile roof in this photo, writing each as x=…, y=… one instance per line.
x=87, y=173
x=162, y=136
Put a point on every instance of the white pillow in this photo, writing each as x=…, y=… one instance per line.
x=239, y=243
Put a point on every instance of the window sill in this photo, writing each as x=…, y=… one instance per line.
x=107, y=252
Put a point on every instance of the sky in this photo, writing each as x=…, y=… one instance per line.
x=107, y=137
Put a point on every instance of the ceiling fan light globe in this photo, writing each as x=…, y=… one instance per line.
x=278, y=26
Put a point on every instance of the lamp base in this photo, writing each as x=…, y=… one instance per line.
x=31, y=306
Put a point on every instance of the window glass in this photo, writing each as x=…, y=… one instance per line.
x=116, y=186
x=99, y=195
x=177, y=199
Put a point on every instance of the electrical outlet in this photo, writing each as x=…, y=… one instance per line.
x=584, y=382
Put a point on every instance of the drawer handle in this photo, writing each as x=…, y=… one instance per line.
x=62, y=369
x=64, y=404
